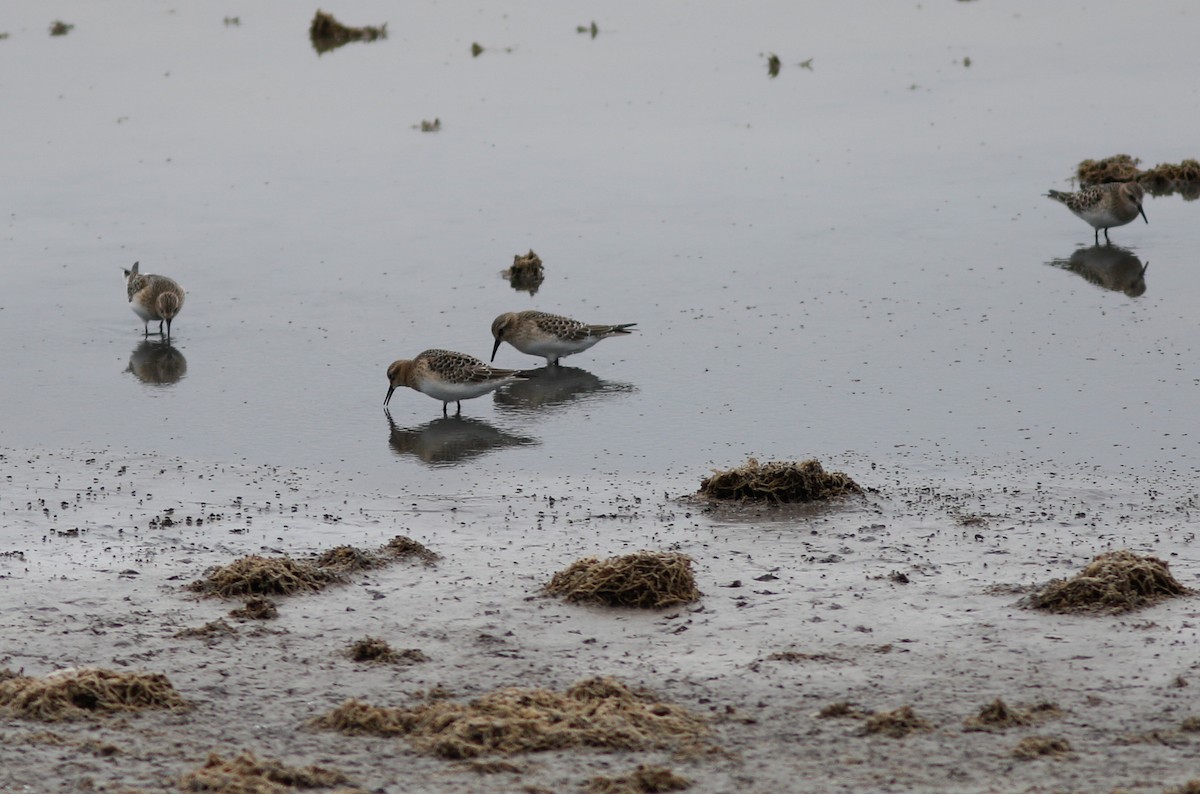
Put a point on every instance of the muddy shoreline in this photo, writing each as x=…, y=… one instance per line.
x=802, y=608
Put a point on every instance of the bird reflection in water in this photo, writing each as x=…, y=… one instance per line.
x=1108, y=266
x=157, y=362
x=553, y=386
x=451, y=439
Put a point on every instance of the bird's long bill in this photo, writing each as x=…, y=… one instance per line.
x=389, y=395
x=1147, y=220
x=495, y=347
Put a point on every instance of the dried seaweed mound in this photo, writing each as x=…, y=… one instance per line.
x=1032, y=747
x=778, y=481
x=256, y=608
x=896, y=724
x=256, y=575
x=329, y=34
x=1118, y=168
x=645, y=779
x=347, y=559
x=86, y=691
x=597, y=712
x=373, y=649
x=1113, y=582
x=997, y=715
x=645, y=579
x=248, y=774
x=402, y=547
x=526, y=272
x=1161, y=180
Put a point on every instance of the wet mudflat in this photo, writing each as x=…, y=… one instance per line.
x=831, y=231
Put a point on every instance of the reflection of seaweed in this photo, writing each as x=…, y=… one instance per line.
x=1108, y=266
x=451, y=439
x=328, y=34
x=773, y=64
x=1163, y=179
x=157, y=362
x=556, y=385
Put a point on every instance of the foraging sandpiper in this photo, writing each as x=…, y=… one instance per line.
x=153, y=298
x=549, y=335
x=447, y=376
x=1105, y=206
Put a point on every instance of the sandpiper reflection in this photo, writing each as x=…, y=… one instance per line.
x=450, y=439
x=558, y=385
x=157, y=362
x=1108, y=266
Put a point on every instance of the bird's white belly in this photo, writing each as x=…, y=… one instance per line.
x=147, y=314
x=453, y=392
x=554, y=348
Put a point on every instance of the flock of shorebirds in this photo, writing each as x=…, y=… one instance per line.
x=453, y=377
x=442, y=374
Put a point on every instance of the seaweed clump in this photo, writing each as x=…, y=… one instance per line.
x=645, y=579
x=779, y=482
x=999, y=716
x=248, y=774
x=1032, y=747
x=526, y=273
x=80, y=692
x=897, y=724
x=1161, y=180
x=1113, y=582
x=645, y=779
x=328, y=34
x=596, y=712
x=262, y=576
x=256, y=608
x=373, y=649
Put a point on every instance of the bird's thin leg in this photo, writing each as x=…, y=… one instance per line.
x=444, y=414
x=1106, y=235
x=459, y=411
x=1096, y=232
x=168, y=330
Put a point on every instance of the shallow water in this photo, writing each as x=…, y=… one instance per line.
x=855, y=258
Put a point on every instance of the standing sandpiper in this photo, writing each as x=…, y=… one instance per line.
x=549, y=335
x=1104, y=206
x=153, y=298
x=447, y=376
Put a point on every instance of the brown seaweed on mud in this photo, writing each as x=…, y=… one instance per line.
x=256, y=608
x=1113, y=582
x=896, y=724
x=258, y=576
x=1032, y=747
x=526, y=273
x=76, y=693
x=1161, y=180
x=248, y=774
x=326, y=33
x=779, y=482
x=645, y=779
x=377, y=651
x=999, y=716
x=644, y=579
x=596, y=712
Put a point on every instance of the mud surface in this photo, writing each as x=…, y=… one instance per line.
x=905, y=598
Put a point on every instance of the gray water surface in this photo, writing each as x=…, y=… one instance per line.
x=850, y=259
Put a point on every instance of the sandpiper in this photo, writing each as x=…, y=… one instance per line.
x=549, y=335
x=1104, y=206
x=153, y=298
x=447, y=376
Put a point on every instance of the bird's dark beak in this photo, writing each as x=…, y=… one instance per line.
x=1147, y=220
x=389, y=396
x=495, y=347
